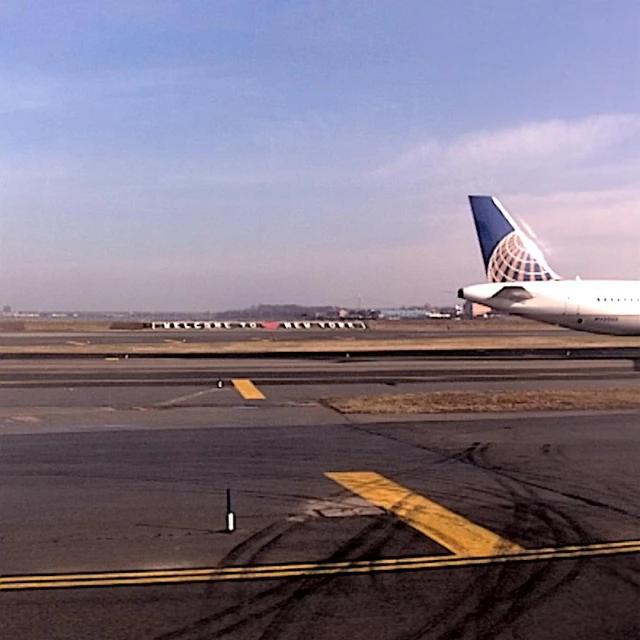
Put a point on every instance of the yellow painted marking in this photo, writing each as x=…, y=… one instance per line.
x=247, y=389
x=301, y=570
x=112, y=359
x=452, y=531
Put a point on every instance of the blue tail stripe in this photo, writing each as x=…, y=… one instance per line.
x=491, y=225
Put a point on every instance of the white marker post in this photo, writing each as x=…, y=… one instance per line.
x=231, y=517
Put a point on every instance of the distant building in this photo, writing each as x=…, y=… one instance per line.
x=7, y=310
x=359, y=314
x=475, y=310
x=404, y=314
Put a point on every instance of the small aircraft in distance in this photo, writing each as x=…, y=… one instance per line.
x=521, y=282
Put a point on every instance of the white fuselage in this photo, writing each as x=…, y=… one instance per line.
x=598, y=306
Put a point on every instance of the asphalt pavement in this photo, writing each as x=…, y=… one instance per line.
x=114, y=506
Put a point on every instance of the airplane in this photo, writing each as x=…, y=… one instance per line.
x=520, y=281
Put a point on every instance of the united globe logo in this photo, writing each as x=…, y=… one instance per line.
x=511, y=261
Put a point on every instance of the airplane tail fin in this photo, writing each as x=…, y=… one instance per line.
x=509, y=255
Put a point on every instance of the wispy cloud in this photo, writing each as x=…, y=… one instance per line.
x=543, y=141
x=555, y=142
x=594, y=233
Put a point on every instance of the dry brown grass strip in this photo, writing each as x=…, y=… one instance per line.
x=489, y=401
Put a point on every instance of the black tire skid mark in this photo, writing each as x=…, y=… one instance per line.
x=557, y=454
x=545, y=579
x=530, y=487
x=488, y=584
x=626, y=492
x=242, y=554
x=443, y=457
x=628, y=574
x=490, y=576
x=496, y=603
x=470, y=455
x=484, y=620
x=463, y=457
x=271, y=600
x=475, y=454
x=536, y=479
x=249, y=550
x=466, y=457
x=367, y=544
x=524, y=496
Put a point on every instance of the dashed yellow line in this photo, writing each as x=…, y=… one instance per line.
x=302, y=570
x=461, y=536
x=247, y=389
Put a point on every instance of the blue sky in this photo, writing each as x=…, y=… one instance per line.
x=205, y=155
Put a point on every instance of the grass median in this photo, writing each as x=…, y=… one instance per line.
x=489, y=401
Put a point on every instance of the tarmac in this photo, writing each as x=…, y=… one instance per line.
x=114, y=503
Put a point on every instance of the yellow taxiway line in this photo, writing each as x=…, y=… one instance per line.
x=305, y=570
x=470, y=544
x=247, y=389
x=461, y=536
